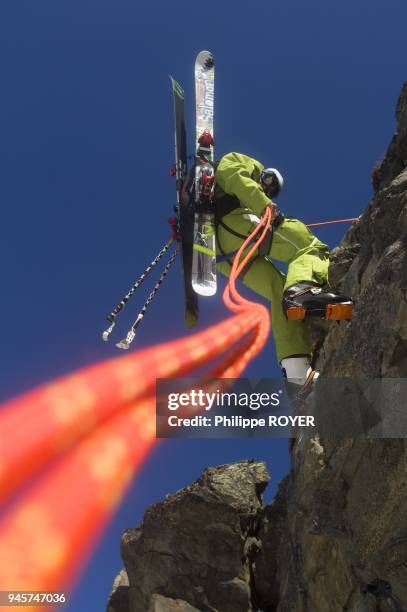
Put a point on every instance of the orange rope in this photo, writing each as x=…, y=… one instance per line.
x=47, y=536
x=330, y=222
x=92, y=430
x=38, y=425
x=241, y=304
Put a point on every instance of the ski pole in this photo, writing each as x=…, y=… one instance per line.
x=112, y=316
x=125, y=343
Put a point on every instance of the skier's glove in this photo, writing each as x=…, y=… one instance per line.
x=278, y=220
x=273, y=208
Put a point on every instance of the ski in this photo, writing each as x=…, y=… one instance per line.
x=204, y=249
x=184, y=208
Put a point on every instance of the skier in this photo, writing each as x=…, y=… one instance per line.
x=243, y=189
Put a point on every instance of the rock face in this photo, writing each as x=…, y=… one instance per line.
x=335, y=536
x=197, y=545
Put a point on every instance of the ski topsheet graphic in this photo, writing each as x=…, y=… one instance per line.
x=204, y=249
x=204, y=96
x=185, y=210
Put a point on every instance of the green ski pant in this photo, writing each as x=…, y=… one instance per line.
x=308, y=260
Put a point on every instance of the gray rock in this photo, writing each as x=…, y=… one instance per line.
x=119, y=596
x=395, y=159
x=158, y=603
x=335, y=538
x=197, y=544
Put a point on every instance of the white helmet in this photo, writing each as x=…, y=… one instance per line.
x=272, y=182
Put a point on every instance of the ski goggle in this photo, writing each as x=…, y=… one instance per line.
x=272, y=182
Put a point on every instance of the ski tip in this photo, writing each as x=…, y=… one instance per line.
x=191, y=319
x=205, y=290
x=205, y=59
x=176, y=87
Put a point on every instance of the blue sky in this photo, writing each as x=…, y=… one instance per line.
x=86, y=143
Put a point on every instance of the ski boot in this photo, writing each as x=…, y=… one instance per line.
x=297, y=370
x=308, y=299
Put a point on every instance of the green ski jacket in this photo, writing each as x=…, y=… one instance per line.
x=239, y=175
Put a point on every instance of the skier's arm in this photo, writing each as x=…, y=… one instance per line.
x=234, y=176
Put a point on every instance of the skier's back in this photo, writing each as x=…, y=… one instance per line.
x=243, y=189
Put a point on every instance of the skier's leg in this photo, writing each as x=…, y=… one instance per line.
x=292, y=341
x=306, y=256
x=291, y=337
x=293, y=243
x=308, y=262
x=293, y=345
